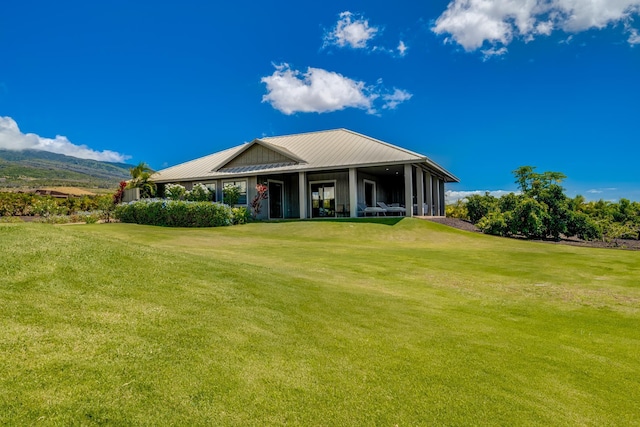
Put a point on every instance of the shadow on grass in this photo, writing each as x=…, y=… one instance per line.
x=368, y=220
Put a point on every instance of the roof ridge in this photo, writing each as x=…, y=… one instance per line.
x=303, y=133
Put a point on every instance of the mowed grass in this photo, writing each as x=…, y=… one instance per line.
x=313, y=323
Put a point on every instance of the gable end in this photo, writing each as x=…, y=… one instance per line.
x=256, y=155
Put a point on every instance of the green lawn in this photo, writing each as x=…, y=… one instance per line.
x=330, y=323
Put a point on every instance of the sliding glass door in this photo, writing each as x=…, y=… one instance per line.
x=323, y=199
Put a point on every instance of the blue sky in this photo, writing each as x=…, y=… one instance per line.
x=480, y=86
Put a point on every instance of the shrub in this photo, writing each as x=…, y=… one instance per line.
x=581, y=225
x=231, y=195
x=176, y=213
x=47, y=207
x=199, y=193
x=241, y=215
x=494, y=223
x=457, y=210
x=479, y=206
x=174, y=191
x=529, y=218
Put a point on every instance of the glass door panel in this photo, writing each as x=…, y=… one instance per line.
x=323, y=200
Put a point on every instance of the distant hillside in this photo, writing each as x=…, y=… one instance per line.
x=33, y=168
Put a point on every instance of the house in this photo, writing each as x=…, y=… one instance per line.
x=331, y=173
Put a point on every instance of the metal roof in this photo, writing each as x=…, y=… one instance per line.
x=331, y=149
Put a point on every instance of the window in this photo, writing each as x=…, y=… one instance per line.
x=211, y=186
x=242, y=185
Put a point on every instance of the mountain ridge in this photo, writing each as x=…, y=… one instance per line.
x=34, y=168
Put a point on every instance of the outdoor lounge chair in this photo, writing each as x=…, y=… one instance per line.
x=392, y=209
x=371, y=209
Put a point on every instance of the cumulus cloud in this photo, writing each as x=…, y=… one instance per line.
x=320, y=91
x=11, y=138
x=453, y=196
x=472, y=23
x=350, y=30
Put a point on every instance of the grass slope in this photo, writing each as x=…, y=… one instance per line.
x=313, y=323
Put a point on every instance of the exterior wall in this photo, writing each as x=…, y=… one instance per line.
x=291, y=208
x=380, y=193
x=342, y=189
x=131, y=195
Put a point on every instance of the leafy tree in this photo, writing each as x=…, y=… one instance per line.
x=140, y=178
x=496, y=223
x=479, y=206
x=457, y=210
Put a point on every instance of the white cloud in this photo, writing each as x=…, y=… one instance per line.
x=350, y=30
x=453, y=196
x=402, y=48
x=601, y=190
x=493, y=51
x=11, y=138
x=472, y=23
x=392, y=100
x=634, y=37
x=321, y=91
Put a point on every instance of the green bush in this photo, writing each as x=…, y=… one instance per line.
x=174, y=191
x=177, y=213
x=241, y=215
x=494, y=223
x=199, y=193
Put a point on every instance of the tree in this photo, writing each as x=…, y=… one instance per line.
x=140, y=178
x=479, y=206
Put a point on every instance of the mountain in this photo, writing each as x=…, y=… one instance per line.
x=34, y=168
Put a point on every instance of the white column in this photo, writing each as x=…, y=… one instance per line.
x=442, y=201
x=420, y=191
x=302, y=194
x=437, y=196
x=353, y=192
x=408, y=190
x=429, y=185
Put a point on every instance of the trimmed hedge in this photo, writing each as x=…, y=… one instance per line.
x=179, y=213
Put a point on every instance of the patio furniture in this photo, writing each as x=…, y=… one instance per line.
x=392, y=209
x=371, y=209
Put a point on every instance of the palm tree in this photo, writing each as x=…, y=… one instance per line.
x=140, y=178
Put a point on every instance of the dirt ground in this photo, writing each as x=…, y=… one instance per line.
x=614, y=244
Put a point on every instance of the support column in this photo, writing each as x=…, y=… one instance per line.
x=442, y=200
x=353, y=192
x=302, y=194
x=429, y=187
x=437, y=196
x=420, y=191
x=408, y=190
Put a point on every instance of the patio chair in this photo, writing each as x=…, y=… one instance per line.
x=392, y=209
x=371, y=209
